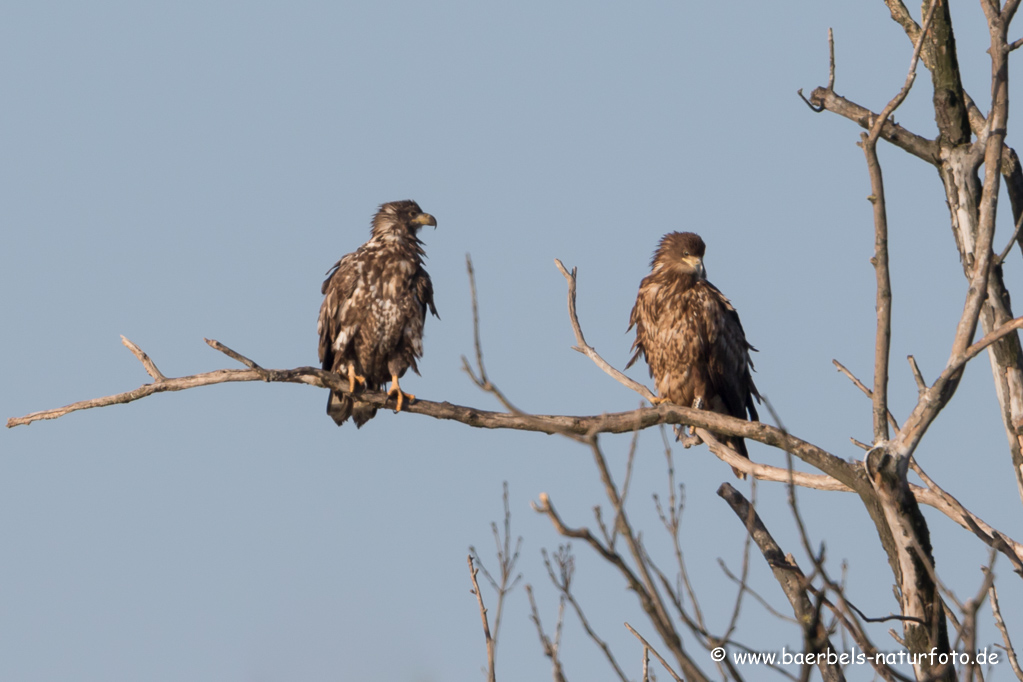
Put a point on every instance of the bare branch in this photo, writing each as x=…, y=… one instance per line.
x=1010, y=652
x=562, y=581
x=758, y=597
x=744, y=572
x=506, y=559
x=650, y=597
x=921, y=385
x=791, y=579
x=903, y=18
x=639, y=579
x=588, y=350
x=818, y=108
x=934, y=399
x=1008, y=247
x=621, y=422
x=883, y=337
x=217, y=345
x=918, y=146
x=646, y=645
x=491, y=677
x=951, y=507
x=550, y=647
x=910, y=556
x=831, y=59
x=144, y=359
x=866, y=391
x=482, y=380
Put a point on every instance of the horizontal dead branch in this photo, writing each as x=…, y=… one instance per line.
x=619, y=422
x=916, y=145
x=840, y=475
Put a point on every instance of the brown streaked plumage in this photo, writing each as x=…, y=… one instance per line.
x=374, y=308
x=690, y=336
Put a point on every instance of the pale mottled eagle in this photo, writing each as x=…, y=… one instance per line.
x=691, y=337
x=374, y=308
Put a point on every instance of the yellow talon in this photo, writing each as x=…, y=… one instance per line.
x=402, y=396
x=354, y=378
x=658, y=400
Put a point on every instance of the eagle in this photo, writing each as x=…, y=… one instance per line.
x=374, y=308
x=690, y=336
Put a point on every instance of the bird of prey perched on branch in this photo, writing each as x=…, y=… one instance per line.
x=691, y=337
x=374, y=307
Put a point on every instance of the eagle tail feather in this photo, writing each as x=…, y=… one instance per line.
x=739, y=445
x=339, y=407
x=362, y=414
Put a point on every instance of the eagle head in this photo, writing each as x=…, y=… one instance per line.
x=682, y=252
x=402, y=219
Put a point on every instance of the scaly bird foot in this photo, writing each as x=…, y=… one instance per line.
x=354, y=378
x=402, y=396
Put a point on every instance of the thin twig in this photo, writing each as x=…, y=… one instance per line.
x=506, y=559
x=562, y=581
x=673, y=523
x=866, y=391
x=763, y=602
x=831, y=59
x=952, y=508
x=921, y=385
x=967, y=632
x=1008, y=247
x=588, y=350
x=217, y=345
x=482, y=380
x=550, y=647
x=813, y=107
x=491, y=675
x=737, y=608
x=1010, y=652
x=144, y=359
x=630, y=460
x=652, y=650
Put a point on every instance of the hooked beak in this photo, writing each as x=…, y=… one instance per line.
x=696, y=264
x=425, y=219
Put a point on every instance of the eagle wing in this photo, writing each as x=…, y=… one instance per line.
x=729, y=362
x=338, y=323
x=643, y=314
x=410, y=344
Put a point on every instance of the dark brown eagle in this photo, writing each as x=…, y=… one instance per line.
x=691, y=337
x=374, y=308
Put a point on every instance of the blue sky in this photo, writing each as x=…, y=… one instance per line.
x=185, y=170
